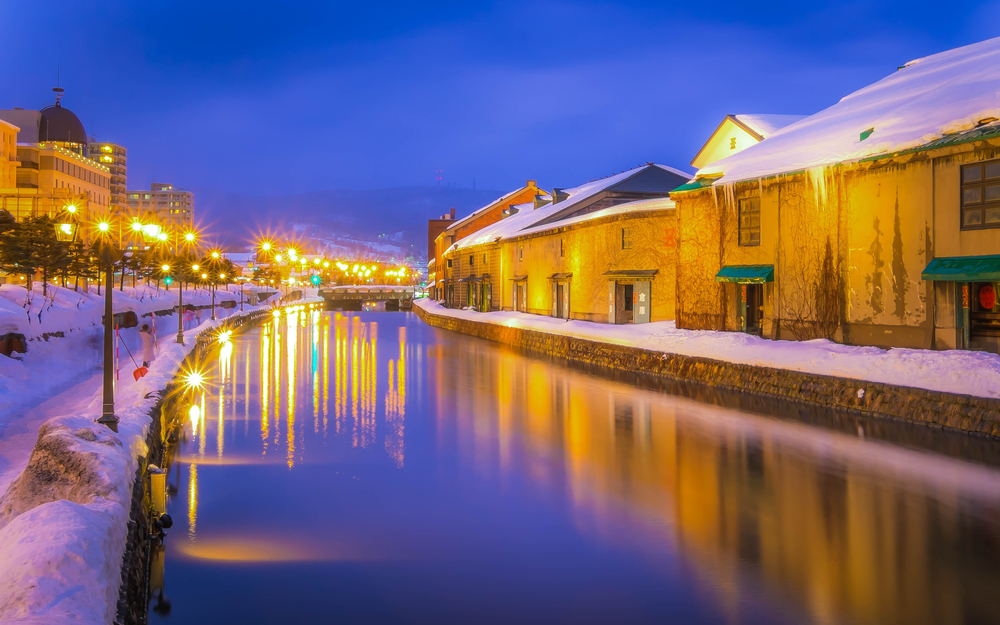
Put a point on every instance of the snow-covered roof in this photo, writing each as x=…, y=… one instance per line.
x=767, y=125
x=927, y=98
x=527, y=217
x=492, y=204
x=656, y=204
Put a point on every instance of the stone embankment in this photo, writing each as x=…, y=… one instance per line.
x=972, y=415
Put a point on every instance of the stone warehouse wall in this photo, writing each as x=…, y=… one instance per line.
x=972, y=415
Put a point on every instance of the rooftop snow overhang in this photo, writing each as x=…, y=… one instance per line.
x=963, y=269
x=632, y=273
x=746, y=274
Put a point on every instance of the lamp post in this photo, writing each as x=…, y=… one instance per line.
x=109, y=255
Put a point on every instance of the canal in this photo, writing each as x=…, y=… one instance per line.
x=369, y=468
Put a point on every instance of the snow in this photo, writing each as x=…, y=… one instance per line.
x=928, y=98
x=526, y=217
x=66, y=501
x=767, y=125
x=639, y=206
x=954, y=371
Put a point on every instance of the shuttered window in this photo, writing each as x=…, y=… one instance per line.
x=750, y=221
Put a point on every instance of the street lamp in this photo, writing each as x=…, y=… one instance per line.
x=108, y=255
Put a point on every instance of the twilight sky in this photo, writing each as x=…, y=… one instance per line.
x=268, y=98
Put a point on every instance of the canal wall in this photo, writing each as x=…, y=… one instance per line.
x=965, y=413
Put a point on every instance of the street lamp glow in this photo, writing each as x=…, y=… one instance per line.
x=277, y=258
x=195, y=267
x=222, y=276
x=204, y=275
x=266, y=246
x=189, y=236
x=215, y=254
x=66, y=228
x=136, y=226
x=104, y=226
x=162, y=236
x=71, y=208
x=165, y=268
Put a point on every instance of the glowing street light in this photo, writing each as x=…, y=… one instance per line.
x=71, y=208
x=165, y=268
x=136, y=226
x=103, y=226
x=195, y=267
x=266, y=246
x=189, y=236
x=215, y=254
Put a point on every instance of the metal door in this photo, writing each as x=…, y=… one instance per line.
x=641, y=302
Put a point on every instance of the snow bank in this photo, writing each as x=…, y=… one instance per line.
x=63, y=519
x=955, y=371
x=924, y=100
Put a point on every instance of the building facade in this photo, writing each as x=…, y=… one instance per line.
x=604, y=251
x=173, y=208
x=895, y=247
x=54, y=174
x=434, y=228
x=8, y=155
x=115, y=158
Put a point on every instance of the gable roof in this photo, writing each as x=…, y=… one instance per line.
x=763, y=126
x=921, y=102
x=648, y=178
x=479, y=211
x=550, y=213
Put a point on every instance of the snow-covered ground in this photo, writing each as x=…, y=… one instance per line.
x=954, y=371
x=66, y=481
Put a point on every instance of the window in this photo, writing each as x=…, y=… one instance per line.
x=520, y=252
x=449, y=263
x=732, y=143
x=626, y=238
x=750, y=221
x=562, y=249
x=484, y=259
x=981, y=195
x=472, y=260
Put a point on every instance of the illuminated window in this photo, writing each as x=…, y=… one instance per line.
x=750, y=221
x=732, y=143
x=981, y=195
x=626, y=238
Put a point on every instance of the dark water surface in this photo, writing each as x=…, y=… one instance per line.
x=369, y=468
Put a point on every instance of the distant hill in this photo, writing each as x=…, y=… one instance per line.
x=360, y=215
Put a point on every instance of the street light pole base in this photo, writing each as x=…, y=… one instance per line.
x=180, y=338
x=109, y=420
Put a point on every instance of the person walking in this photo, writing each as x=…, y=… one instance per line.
x=148, y=348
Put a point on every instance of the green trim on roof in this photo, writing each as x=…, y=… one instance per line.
x=963, y=269
x=746, y=274
x=698, y=183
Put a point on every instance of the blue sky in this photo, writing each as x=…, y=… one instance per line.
x=271, y=98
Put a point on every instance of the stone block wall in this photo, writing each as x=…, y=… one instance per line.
x=964, y=413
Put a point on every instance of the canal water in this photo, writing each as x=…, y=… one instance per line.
x=369, y=468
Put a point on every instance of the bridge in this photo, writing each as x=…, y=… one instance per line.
x=355, y=297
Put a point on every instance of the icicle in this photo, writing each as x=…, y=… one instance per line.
x=817, y=177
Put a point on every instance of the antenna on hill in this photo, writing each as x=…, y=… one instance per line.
x=439, y=177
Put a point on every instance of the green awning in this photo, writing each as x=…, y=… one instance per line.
x=746, y=274
x=963, y=269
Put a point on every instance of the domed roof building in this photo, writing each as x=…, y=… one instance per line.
x=61, y=124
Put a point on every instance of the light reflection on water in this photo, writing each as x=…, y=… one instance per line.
x=406, y=473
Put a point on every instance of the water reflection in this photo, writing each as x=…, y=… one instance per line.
x=455, y=456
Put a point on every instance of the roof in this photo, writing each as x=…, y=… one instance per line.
x=528, y=216
x=763, y=126
x=638, y=206
x=61, y=124
x=924, y=100
x=492, y=204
